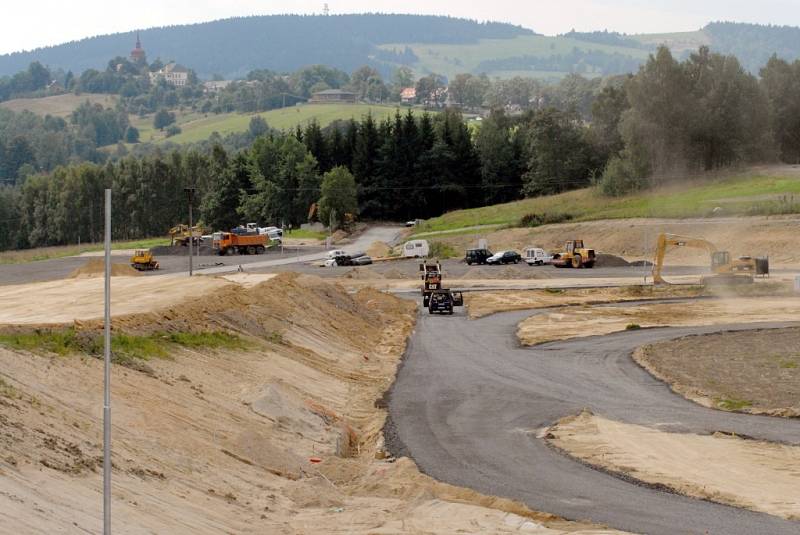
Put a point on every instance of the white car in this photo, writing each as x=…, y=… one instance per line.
x=336, y=252
x=536, y=256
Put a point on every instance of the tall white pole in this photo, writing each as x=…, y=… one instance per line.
x=107, y=377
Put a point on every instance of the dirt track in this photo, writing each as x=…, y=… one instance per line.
x=454, y=391
x=282, y=436
x=726, y=469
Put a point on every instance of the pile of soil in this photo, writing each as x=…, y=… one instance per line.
x=362, y=273
x=395, y=273
x=339, y=236
x=379, y=249
x=96, y=268
x=610, y=260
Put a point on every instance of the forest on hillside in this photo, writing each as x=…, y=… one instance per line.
x=232, y=47
x=670, y=119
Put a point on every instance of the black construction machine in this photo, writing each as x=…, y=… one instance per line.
x=434, y=297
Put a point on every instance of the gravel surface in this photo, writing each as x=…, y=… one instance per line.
x=468, y=403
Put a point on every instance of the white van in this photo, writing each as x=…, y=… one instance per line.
x=416, y=249
x=536, y=256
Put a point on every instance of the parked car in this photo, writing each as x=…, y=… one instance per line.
x=361, y=261
x=536, y=256
x=476, y=256
x=336, y=252
x=504, y=257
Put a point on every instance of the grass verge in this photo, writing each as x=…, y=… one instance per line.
x=126, y=349
x=60, y=251
x=750, y=193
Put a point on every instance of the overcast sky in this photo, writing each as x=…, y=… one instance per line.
x=33, y=23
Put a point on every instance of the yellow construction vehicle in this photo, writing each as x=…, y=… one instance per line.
x=575, y=255
x=180, y=234
x=143, y=260
x=725, y=269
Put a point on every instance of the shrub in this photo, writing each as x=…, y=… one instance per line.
x=633, y=327
x=442, y=250
x=535, y=220
x=621, y=176
x=173, y=130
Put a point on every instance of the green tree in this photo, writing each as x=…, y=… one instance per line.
x=163, y=118
x=132, y=135
x=558, y=154
x=499, y=155
x=339, y=196
x=781, y=83
x=230, y=179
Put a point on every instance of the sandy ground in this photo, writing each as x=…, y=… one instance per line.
x=486, y=303
x=748, y=371
x=82, y=298
x=281, y=438
x=635, y=239
x=745, y=473
x=564, y=323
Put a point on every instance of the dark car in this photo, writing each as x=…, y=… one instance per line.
x=443, y=301
x=477, y=256
x=504, y=257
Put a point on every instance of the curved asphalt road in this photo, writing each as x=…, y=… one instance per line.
x=468, y=401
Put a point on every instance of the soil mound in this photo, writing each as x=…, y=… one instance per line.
x=610, y=260
x=96, y=268
x=395, y=273
x=339, y=236
x=379, y=249
x=362, y=273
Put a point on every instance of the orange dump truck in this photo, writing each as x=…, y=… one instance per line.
x=228, y=243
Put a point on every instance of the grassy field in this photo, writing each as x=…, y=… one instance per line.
x=450, y=60
x=678, y=42
x=59, y=105
x=198, y=127
x=305, y=234
x=60, y=251
x=760, y=192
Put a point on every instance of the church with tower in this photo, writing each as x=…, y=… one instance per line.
x=137, y=54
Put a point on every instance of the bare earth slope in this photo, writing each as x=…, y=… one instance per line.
x=283, y=436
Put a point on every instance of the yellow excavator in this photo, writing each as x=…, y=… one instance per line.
x=725, y=269
x=180, y=234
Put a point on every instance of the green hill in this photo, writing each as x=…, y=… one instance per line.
x=755, y=192
x=198, y=127
x=444, y=45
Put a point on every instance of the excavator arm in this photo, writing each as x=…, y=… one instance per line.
x=673, y=240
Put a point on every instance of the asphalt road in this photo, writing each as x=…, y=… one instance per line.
x=468, y=402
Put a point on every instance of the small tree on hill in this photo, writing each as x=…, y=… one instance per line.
x=339, y=196
x=163, y=118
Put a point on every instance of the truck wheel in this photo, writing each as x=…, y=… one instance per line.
x=589, y=264
x=260, y=249
x=469, y=262
x=251, y=250
x=577, y=261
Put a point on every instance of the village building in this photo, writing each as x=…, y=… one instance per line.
x=174, y=73
x=408, y=95
x=333, y=96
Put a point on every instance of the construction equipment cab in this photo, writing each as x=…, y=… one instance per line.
x=725, y=269
x=143, y=260
x=575, y=255
x=431, y=279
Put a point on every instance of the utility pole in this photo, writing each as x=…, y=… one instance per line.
x=190, y=194
x=107, y=375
